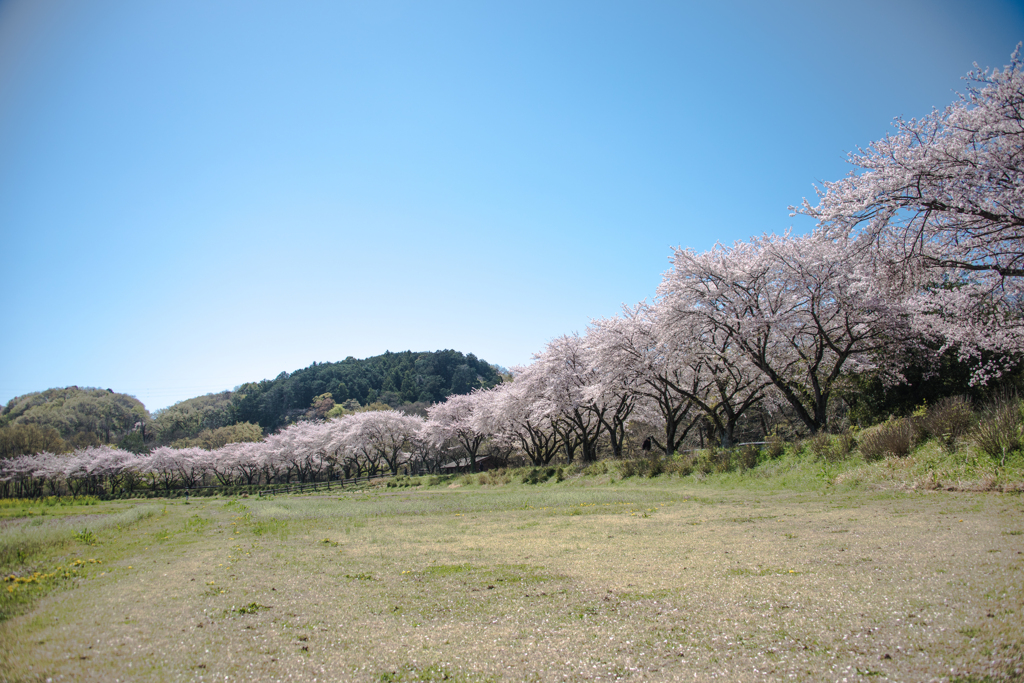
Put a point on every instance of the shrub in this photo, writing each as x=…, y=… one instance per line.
x=680, y=465
x=748, y=457
x=650, y=466
x=629, y=468
x=821, y=445
x=775, y=447
x=1000, y=430
x=832, y=448
x=539, y=475
x=722, y=460
x=892, y=437
x=713, y=460
x=655, y=465
x=844, y=443
x=949, y=419
x=498, y=477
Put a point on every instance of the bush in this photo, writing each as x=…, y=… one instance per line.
x=821, y=445
x=829, y=448
x=892, y=437
x=539, y=475
x=680, y=465
x=748, y=457
x=629, y=468
x=776, y=446
x=1000, y=430
x=498, y=477
x=710, y=460
x=949, y=419
x=650, y=466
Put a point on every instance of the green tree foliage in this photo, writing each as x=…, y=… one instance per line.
x=397, y=379
x=210, y=439
x=322, y=405
x=28, y=439
x=929, y=380
x=187, y=419
x=80, y=413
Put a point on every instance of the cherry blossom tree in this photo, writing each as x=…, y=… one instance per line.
x=941, y=202
x=516, y=414
x=633, y=344
x=427, y=447
x=381, y=435
x=162, y=467
x=454, y=420
x=804, y=311
x=562, y=375
x=242, y=458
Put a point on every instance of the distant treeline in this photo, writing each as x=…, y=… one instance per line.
x=61, y=420
x=396, y=379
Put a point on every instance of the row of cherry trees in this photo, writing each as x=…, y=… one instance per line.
x=919, y=252
x=350, y=446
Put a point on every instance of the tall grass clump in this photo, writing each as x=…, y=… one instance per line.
x=832, y=448
x=650, y=466
x=949, y=420
x=498, y=477
x=1000, y=430
x=894, y=437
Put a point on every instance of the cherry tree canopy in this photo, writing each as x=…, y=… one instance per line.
x=941, y=202
x=804, y=311
x=948, y=188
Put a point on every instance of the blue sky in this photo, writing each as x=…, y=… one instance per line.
x=199, y=194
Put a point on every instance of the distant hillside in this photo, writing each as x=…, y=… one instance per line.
x=398, y=379
x=63, y=419
x=78, y=416
x=392, y=378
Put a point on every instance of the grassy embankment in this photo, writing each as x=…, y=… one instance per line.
x=800, y=568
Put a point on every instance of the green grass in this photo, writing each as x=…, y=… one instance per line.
x=661, y=578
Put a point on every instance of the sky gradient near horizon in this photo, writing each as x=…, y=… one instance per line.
x=197, y=194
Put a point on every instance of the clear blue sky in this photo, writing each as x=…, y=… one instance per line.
x=196, y=194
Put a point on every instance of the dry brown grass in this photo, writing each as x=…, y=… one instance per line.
x=641, y=580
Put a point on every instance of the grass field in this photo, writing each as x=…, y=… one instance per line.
x=586, y=579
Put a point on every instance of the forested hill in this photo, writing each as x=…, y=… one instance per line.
x=59, y=420
x=393, y=378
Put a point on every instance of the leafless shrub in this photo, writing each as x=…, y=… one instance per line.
x=681, y=466
x=832, y=448
x=893, y=437
x=949, y=419
x=1000, y=430
x=988, y=483
x=747, y=456
x=821, y=445
x=650, y=466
